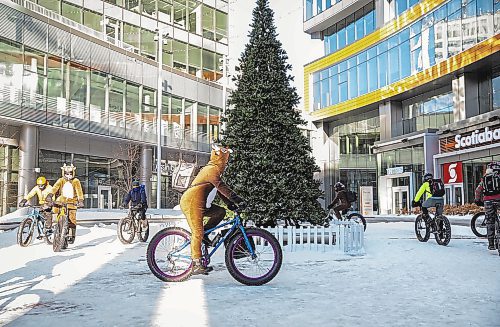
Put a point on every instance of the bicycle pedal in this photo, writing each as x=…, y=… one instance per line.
x=39, y=237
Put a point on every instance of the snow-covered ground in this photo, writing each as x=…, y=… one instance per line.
x=399, y=282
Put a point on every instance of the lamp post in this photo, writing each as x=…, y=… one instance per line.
x=159, y=104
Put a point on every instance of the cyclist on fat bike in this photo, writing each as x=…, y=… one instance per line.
x=41, y=190
x=69, y=191
x=488, y=194
x=341, y=202
x=432, y=190
x=196, y=203
x=137, y=198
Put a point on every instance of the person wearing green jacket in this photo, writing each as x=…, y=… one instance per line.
x=425, y=191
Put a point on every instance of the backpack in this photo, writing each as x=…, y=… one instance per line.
x=183, y=175
x=491, y=184
x=351, y=196
x=437, y=188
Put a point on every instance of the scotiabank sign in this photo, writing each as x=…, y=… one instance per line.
x=452, y=173
x=479, y=137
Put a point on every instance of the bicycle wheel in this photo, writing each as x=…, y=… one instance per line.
x=421, y=229
x=169, y=254
x=443, y=233
x=126, y=230
x=497, y=235
x=60, y=231
x=357, y=218
x=48, y=236
x=259, y=269
x=142, y=230
x=25, y=232
x=478, y=224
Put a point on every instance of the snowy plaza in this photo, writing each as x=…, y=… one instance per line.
x=398, y=282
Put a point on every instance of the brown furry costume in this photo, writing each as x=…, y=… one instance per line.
x=194, y=200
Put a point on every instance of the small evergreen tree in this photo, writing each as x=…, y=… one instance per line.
x=272, y=167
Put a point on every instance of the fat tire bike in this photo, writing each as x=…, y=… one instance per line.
x=27, y=228
x=347, y=215
x=253, y=256
x=131, y=225
x=478, y=224
x=439, y=225
x=60, y=241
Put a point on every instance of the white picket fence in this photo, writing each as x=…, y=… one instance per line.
x=342, y=236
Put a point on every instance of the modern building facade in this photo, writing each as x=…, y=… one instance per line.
x=79, y=84
x=404, y=87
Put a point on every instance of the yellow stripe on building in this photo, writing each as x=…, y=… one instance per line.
x=404, y=20
x=452, y=64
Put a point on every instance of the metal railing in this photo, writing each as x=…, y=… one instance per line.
x=72, y=24
x=74, y=115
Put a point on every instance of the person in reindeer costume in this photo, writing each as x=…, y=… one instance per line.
x=69, y=190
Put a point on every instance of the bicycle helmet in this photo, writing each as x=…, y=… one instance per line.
x=428, y=177
x=41, y=182
x=339, y=187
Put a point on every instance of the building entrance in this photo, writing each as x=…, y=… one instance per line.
x=400, y=199
x=105, y=199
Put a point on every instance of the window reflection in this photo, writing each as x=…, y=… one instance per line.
x=437, y=36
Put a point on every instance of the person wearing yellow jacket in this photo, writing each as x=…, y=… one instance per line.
x=430, y=200
x=69, y=190
x=196, y=202
x=41, y=190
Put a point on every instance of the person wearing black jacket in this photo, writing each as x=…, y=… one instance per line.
x=137, y=198
x=340, y=203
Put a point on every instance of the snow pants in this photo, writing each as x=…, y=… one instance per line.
x=491, y=207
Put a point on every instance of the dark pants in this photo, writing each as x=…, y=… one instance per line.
x=437, y=202
x=491, y=207
x=141, y=213
x=339, y=208
x=215, y=215
x=47, y=214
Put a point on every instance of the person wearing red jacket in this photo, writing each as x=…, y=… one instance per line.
x=491, y=205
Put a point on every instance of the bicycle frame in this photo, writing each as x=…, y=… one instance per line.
x=40, y=219
x=236, y=223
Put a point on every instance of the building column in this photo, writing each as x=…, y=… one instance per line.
x=431, y=148
x=470, y=95
x=146, y=170
x=385, y=10
x=391, y=117
x=321, y=150
x=28, y=158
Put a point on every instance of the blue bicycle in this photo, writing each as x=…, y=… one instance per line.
x=27, y=228
x=253, y=256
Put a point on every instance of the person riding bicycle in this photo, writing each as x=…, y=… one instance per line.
x=488, y=194
x=196, y=203
x=341, y=202
x=69, y=191
x=432, y=191
x=138, y=199
x=41, y=190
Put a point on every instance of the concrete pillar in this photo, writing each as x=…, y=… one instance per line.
x=320, y=144
x=28, y=158
x=470, y=95
x=391, y=117
x=146, y=170
x=431, y=148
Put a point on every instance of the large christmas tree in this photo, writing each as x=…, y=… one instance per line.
x=272, y=167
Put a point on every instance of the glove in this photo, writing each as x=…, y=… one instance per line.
x=22, y=203
x=242, y=206
x=415, y=204
x=232, y=206
x=80, y=204
x=479, y=203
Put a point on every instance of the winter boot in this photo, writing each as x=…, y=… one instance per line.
x=199, y=269
x=491, y=244
x=71, y=235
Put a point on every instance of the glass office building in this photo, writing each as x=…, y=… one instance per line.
x=79, y=83
x=427, y=70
